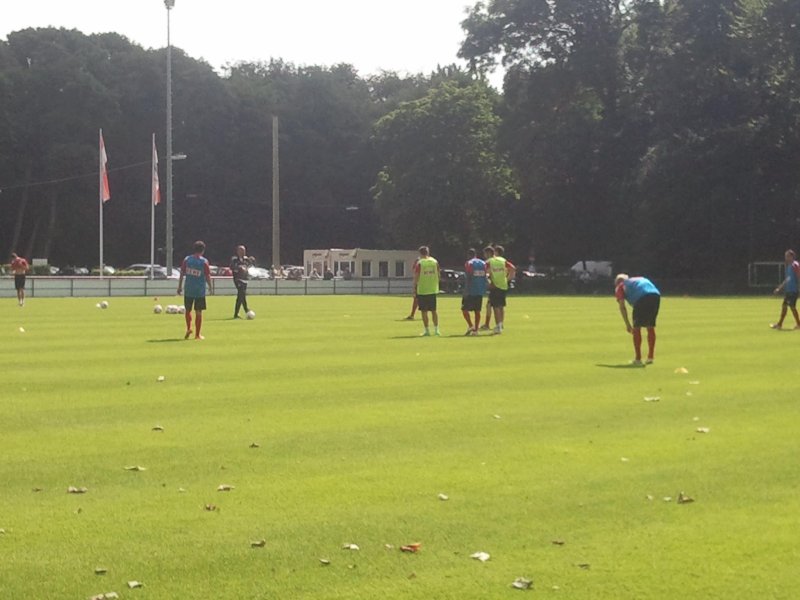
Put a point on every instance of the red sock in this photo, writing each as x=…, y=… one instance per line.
x=198, y=322
x=188, y=316
x=637, y=343
x=651, y=342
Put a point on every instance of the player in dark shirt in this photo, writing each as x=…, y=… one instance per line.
x=239, y=265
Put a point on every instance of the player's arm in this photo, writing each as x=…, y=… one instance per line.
x=180, y=278
x=209, y=281
x=511, y=270
x=468, y=275
x=416, y=277
x=623, y=310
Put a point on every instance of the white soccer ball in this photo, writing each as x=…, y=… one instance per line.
x=104, y=304
x=182, y=309
x=172, y=309
x=251, y=314
x=157, y=309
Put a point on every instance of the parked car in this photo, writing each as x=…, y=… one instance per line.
x=452, y=282
x=72, y=271
x=259, y=273
x=217, y=271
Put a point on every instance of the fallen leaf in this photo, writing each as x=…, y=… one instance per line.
x=37, y=489
x=158, y=428
x=2, y=531
x=703, y=430
x=77, y=490
x=558, y=542
x=696, y=419
x=694, y=383
x=258, y=544
x=135, y=468
x=652, y=398
x=498, y=417
x=181, y=491
x=414, y=548
x=682, y=370
x=100, y=571
x=389, y=546
x=684, y=499
x=224, y=487
x=667, y=498
x=135, y=584
x=623, y=459
x=520, y=583
x=412, y=575
x=649, y=497
x=481, y=556
x=22, y=330
x=584, y=566
x=161, y=378
x=255, y=445
x=350, y=547
x=324, y=562
x=106, y=596
x=210, y=507
x=444, y=497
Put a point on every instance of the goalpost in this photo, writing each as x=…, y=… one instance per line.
x=765, y=274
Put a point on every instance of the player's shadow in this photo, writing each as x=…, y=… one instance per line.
x=166, y=340
x=622, y=366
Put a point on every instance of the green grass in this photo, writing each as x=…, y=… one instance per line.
x=361, y=424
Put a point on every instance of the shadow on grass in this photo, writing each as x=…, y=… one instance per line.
x=446, y=337
x=622, y=366
x=180, y=339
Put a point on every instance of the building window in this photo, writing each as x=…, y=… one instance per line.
x=383, y=268
x=399, y=268
x=366, y=268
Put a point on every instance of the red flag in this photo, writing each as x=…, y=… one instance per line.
x=156, y=189
x=105, y=191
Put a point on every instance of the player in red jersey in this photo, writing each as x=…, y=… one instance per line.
x=20, y=268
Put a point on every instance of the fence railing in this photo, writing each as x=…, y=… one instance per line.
x=92, y=287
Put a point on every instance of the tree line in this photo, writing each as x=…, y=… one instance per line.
x=661, y=134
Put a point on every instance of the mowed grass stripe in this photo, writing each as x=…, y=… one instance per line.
x=361, y=424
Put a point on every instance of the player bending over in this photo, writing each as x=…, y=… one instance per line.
x=645, y=299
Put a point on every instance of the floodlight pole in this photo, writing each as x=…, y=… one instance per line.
x=169, y=4
x=276, y=201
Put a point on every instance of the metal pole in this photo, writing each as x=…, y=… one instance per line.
x=169, y=4
x=100, y=187
x=276, y=201
x=153, y=168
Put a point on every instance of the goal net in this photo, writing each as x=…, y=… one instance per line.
x=765, y=274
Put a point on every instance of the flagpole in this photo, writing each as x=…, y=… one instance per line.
x=100, y=194
x=153, y=211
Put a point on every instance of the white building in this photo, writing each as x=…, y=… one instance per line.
x=359, y=263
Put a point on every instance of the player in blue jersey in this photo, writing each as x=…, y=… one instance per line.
x=195, y=270
x=790, y=288
x=475, y=288
x=645, y=299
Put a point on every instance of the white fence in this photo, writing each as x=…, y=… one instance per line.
x=93, y=287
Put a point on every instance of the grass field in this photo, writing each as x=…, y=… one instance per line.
x=537, y=436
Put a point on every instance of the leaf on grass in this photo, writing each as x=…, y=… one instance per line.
x=624, y=459
x=682, y=370
x=558, y=542
x=652, y=398
x=161, y=378
x=498, y=417
x=649, y=497
x=520, y=583
x=224, y=487
x=158, y=428
x=255, y=445
x=414, y=548
x=258, y=544
x=584, y=566
x=350, y=547
x=135, y=468
x=481, y=556
x=444, y=497
x=181, y=491
x=77, y=490
x=684, y=499
x=667, y=498
x=100, y=570
x=324, y=562
x=210, y=507
x=135, y=584
x=703, y=430
x=389, y=546
x=2, y=531
x=694, y=383
x=22, y=330
x=106, y=596
x=37, y=489
x=412, y=575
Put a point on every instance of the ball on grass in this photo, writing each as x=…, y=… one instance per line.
x=157, y=309
x=182, y=309
x=103, y=304
x=251, y=314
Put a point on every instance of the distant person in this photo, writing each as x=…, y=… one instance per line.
x=500, y=273
x=426, y=288
x=414, y=302
x=240, y=263
x=20, y=268
x=196, y=271
x=475, y=288
x=645, y=299
x=314, y=274
x=790, y=288
x=328, y=276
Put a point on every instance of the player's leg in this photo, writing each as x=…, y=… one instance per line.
x=784, y=310
x=189, y=304
x=198, y=324
x=238, y=305
x=651, y=344
x=465, y=306
x=414, y=307
x=637, y=344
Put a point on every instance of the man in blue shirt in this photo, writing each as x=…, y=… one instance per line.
x=645, y=299
x=790, y=288
x=474, y=290
x=195, y=270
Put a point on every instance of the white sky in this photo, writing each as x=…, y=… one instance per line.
x=407, y=36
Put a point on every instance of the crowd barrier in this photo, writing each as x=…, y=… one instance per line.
x=95, y=287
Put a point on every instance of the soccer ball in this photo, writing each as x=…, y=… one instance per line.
x=157, y=309
x=172, y=309
x=103, y=304
x=182, y=309
x=251, y=314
